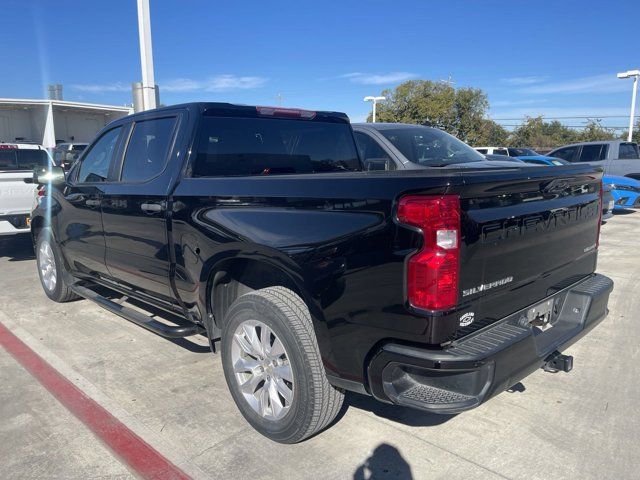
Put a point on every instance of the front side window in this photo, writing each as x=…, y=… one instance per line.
x=628, y=151
x=592, y=153
x=482, y=150
x=95, y=166
x=565, y=153
x=232, y=146
x=147, y=150
x=430, y=147
x=500, y=151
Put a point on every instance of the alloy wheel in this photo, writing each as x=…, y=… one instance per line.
x=47, y=265
x=262, y=369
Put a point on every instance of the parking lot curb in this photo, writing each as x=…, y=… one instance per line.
x=148, y=455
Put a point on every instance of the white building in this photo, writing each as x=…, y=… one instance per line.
x=48, y=122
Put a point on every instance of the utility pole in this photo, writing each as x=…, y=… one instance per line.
x=374, y=101
x=146, y=55
x=449, y=81
x=628, y=74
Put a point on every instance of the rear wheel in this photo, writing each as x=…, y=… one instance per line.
x=273, y=367
x=50, y=269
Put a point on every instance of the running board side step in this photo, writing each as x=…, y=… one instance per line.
x=136, y=317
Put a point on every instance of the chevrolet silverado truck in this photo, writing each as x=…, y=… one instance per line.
x=17, y=162
x=260, y=228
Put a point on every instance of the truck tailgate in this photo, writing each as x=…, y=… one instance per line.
x=525, y=236
x=16, y=197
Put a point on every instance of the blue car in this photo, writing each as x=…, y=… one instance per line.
x=625, y=191
x=531, y=156
x=543, y=160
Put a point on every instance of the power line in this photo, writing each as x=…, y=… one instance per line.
x=568, y=126
x=567, y=118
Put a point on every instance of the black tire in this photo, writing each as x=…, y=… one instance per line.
x=61, y=292
x=315, y=402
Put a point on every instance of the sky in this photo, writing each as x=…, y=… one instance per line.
x=551, y=58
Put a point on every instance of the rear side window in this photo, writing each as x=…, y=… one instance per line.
x=565, y=153
x=78, y=148
x=628, y=151
x=95, y=165
x=22, y=159
x=482, y=150
x=147, y=151
x=267, y=146
x=500, y=151
x=593, y=153
x=370, y=150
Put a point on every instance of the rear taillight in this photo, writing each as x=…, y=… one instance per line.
x=601, y=203
x=432, y=272
x=41, y=191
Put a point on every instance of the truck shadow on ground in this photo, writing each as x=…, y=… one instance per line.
x=407, y=416
x=386, y=461
x=17, y=248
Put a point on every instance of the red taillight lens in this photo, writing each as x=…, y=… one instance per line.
x=601, y=203
x=432, y=272
x=41, y=191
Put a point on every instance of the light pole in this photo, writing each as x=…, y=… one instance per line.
x=374, y=101
x=146, y=55
x=629, y=74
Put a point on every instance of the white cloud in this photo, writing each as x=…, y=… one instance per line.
x=513, y=103
x=522, y=80
x=216, y=83
x=101, y=88
x=595, y=84
x=180, y=85
x=378, y=79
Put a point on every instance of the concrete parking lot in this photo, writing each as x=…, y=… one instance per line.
x=584, y=424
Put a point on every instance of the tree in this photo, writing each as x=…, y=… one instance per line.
x=536, y=133
x=594, y=132
x=492, y=134
x=635, y=137
x=459, y=112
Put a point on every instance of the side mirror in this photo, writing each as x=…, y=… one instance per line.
x=376, y=164
x=53, y=175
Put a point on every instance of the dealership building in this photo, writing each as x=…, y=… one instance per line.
x=53, y=121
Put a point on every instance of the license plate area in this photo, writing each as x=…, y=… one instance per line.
x=540, y=316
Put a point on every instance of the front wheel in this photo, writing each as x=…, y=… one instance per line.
x=50, y=269
x=273, y=367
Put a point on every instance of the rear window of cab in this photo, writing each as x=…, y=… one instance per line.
x=239, y=146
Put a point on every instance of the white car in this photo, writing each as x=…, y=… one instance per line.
x=17, y=161
x=492, y=150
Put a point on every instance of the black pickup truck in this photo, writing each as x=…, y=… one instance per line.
x=432, y=288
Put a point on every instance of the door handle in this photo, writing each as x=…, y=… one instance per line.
x=92, y=203
x=152, y=207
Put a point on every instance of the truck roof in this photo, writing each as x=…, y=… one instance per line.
x=231, y=109
x=599, y=142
